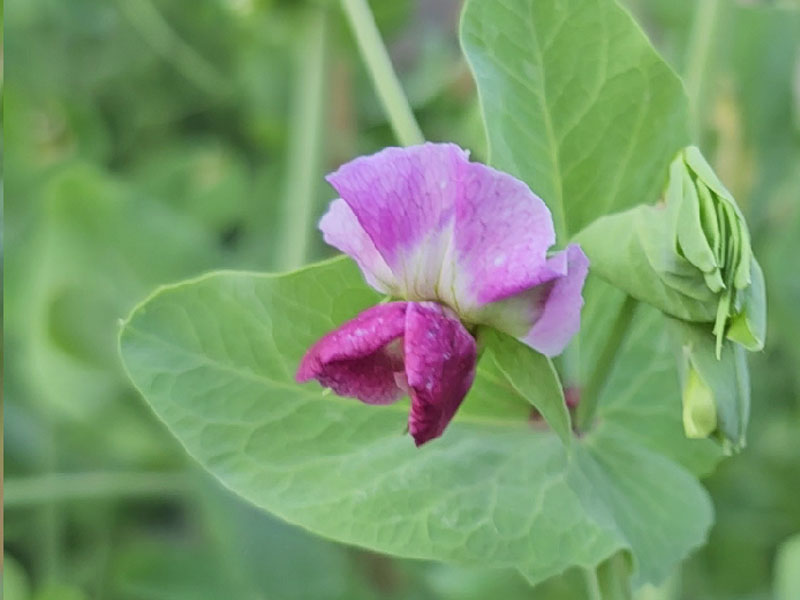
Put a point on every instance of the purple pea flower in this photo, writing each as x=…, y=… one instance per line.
x=462, y=244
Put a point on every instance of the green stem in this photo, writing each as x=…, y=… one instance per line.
x=305, y=143
x=614, y=578
x=50, y=514
x=698, y=51
x=377, y=61
x=590, y=393
x=592, y=585
x=54, y=488
x=570, y=365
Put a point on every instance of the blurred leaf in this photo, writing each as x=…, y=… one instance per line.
x=230, y=549
x=449, y=582
x=781, y=243
x=787, y=570
x=168, y=570
x=59, y=591
x=201, y=179
x=576, y=103
x=763, y=79
x=87, y=243
x=15, y=580
x=273, y=559
x=215, y=358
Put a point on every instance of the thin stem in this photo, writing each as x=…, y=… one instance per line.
x=594, y=385
x=53, y=488
x=377, y=61
x=570, y=364
x=50, y=514
x=698, y=52
x=614, y=578
x=592, y=585
x=306, y=138
x=155, y=29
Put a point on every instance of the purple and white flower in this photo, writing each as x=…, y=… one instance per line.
x=462, y=245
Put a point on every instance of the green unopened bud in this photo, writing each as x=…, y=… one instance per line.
x=689, y=256
x=699, y=409
x=709, y=231
x=716, y=391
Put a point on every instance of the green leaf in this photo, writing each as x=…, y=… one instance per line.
x=215, y=358
x=576, y=103
x=531, y=375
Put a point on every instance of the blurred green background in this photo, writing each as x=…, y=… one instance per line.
x=152, y=140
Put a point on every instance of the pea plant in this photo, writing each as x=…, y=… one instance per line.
x=522, y=364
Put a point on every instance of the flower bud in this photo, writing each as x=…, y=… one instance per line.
x=709, y=231
x=699, y=409
x=689, y=256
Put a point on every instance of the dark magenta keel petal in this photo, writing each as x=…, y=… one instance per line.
x=363, y=358
x=440, y=356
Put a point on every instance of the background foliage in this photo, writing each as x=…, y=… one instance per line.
x=148, y=142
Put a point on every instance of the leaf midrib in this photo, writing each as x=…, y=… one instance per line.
x=560, y=221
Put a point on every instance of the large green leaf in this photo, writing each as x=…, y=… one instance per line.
x=215, y=358
x=576, y=103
